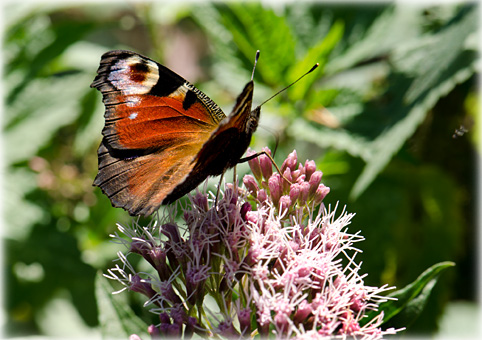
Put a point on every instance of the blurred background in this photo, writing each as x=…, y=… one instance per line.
x=390, y=117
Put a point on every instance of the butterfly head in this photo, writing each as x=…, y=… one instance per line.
x=253, y=120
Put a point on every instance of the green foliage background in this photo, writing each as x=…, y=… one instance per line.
x=378, y=117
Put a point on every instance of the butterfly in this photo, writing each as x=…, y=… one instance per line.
x=163, y=136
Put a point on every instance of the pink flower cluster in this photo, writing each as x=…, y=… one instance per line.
x=276, y=270
x=295, y=186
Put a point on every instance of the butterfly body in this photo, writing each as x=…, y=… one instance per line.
x=162, y=136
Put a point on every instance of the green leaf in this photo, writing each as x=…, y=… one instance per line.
x=339, y=139
x=20, y=214
x=90, y=119
x=423, y=92
x=39, y=111
x=62, y=266
x=66, y=34
x=412, y=298
x=393, y=26
x=317, y=54
x=238, y=30
x=430, y=57
x=117, y=320
x=251, y=26
x=228, y=68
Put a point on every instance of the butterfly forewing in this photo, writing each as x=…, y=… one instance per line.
x=147, y=104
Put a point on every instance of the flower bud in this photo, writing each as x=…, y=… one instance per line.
x=301, y=179
x=284, y=203
x=267, y=150
x=314, y=181
x=290, y=162
x=252, y=217
x=310, y=168
x=174, y=243
x=174, y=330
x=245, y=208
x=287, y=180
x=139, y=247
x=254, y=165
x=168, y=293
x=195, y=279
x=244, y=318
x=294, y=192
x=230, y=196
x=274, y=188
x=349, y=324
x=178, y=314
x=154, y=332
x=262, y=196
x=304, y=192
x=282, y=322
x=250, y=184
x=253, y=256
x=164, y=318
x=164, y=328
x=321, y=193
x=263, y=329
x=227, y=330
x=200, y=200
x=295, y=175
x=191, y=325
x=172, y=232
x=141, y=286
x=231, y=212
x=266, y=166
x=157, y=258
x=301, y=168
x=301, y=314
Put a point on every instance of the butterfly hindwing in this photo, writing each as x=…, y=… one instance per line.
x=140, y=184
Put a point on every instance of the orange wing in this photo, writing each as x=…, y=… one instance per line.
x=140, y=184
x=156, y=123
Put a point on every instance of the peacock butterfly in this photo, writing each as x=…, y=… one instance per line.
x=162, y=136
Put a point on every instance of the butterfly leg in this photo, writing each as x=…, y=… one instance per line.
x=219, y=188
x=235, y=183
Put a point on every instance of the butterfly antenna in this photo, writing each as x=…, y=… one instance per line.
x=297, y=80
x=255, y=62
x=275, y=134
